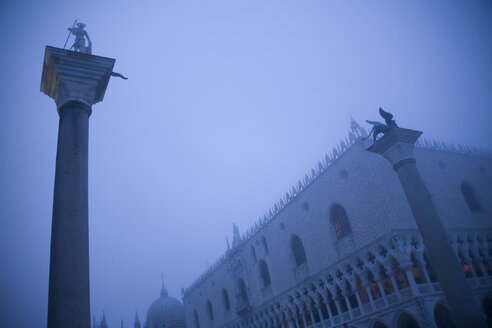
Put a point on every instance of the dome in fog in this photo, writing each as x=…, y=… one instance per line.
x=165, y=312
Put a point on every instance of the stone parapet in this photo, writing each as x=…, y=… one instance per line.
x=400, y=246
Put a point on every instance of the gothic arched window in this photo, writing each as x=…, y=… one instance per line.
x=225, y=298
x=253, y=254
x=340, y=221
x=297, y=249
x=195, y=319
x=264, y=244
x=210, y=312
x=470, y=197
x=243, y=294
x=264, y=273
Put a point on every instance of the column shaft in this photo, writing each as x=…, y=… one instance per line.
x=461, y=301
x=68, y=300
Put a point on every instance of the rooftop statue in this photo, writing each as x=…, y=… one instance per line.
x=380, y=127
x=80, y=36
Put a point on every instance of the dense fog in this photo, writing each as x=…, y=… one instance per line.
x=227, y=105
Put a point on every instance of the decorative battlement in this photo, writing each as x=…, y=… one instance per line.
x=356, y=133
x=449, y=147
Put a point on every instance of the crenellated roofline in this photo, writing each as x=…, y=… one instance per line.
x=356, y=133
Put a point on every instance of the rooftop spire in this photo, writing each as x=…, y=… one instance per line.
x=236, y=237
x=163, y=290
x=137, y=322
x=103, y=323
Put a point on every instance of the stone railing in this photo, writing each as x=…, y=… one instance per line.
x=387, y=272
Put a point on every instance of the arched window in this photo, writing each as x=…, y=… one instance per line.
x=340, y=221
x=399, y=274
x=386, y=282
x=210, y=311
x=195, y=319
x=350, y=293
x=225, y=299
x=297, y=249
x=417, y=273
x=243, y=294
x=253, y=254
x=264, y=273
x=470, y=197
x=264, y=244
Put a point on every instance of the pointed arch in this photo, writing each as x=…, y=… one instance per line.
x=225, y=299
x=264, y=244
x=242, y=292
x=253, y=254
x=416, y=270
x=210, y=311
x=264, y=273
x=350, y=294
x=297, y=249
x=399, y=274
x=196, y=320
x=340, y=221
x=340, y=299
x=470, y=197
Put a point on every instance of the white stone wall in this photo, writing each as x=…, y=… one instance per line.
x=367, y=187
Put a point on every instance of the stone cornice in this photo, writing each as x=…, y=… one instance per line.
x=73, y=76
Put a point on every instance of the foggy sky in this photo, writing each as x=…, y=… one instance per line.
x=227, y=105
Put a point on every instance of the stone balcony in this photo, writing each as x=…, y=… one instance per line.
x=392, y=272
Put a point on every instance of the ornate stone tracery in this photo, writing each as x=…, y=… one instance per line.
x=353, y=287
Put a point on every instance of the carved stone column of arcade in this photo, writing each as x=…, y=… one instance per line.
x=397, y=147
x=75, y=81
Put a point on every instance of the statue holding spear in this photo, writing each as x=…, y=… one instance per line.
x=80, y=36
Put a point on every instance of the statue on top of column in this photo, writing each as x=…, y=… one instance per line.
x=380, y=127
x=80, y=36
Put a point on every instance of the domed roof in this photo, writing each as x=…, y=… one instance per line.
x=165, y=312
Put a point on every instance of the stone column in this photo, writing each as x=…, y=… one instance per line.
x=327, y=301
x=75, y=81
x=413, y=285
x=397, y=147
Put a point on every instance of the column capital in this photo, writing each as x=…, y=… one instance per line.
x=74, y=76
x=396, y=146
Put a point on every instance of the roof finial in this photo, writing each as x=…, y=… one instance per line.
x=236, y=237
x=137, y=322
x=103, y=321
x=163, y=290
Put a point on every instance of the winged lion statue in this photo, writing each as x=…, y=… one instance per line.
x=379, y=127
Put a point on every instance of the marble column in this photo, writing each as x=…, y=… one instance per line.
x=75, y=81
x=397, y=147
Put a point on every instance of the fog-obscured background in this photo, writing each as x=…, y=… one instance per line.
x=227, y=104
